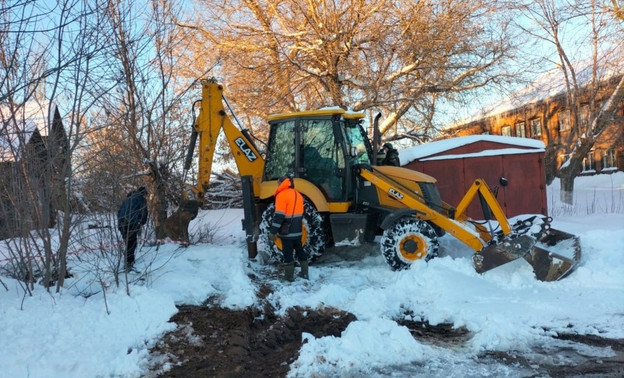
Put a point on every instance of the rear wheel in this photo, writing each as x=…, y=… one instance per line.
x=313, y=234
x=408, y=240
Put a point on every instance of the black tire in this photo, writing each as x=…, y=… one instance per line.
x=314, y=238
x=408, y=240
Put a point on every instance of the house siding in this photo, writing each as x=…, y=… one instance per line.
x=33, y=180
x=548, y=112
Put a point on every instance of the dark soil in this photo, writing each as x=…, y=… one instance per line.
x=215, y=342
x=218, y=342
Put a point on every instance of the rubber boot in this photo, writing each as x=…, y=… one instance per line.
x=289, y=272
x=304, y=269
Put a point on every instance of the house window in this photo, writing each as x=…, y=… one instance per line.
x=588, y=162
x=520, y=131
x=609, y=159
x=536, y=127
x=563, y=119
x=506, y=131
x=584, y=115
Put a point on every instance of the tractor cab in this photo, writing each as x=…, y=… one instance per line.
x=319, y=146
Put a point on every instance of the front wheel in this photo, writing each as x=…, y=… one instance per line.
x=407, y=241
x=313, y=234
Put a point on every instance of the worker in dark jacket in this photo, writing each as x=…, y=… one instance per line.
x=392, y=155
x=132, y=215
x=287, y=221
x=381, y=155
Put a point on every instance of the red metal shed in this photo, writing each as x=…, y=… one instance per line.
x=457, y=162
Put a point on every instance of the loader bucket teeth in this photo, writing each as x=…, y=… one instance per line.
x=555, y=255
x=507, y=251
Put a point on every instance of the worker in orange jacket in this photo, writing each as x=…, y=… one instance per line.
x=287, y=221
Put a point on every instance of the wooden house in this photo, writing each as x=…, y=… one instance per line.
x=33, y=149
x=540, y=112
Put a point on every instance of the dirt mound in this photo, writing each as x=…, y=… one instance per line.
x=212, y=341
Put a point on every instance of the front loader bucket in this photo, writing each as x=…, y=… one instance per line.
x=553, y=256
x=502, y=253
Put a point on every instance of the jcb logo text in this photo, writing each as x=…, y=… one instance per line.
x=395, y=193
x=249, y=154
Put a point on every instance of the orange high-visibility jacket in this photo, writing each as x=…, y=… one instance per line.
x=288, y=211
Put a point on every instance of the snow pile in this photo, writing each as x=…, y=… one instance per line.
x=602, y=194
x=68, y=336
x=83, y=333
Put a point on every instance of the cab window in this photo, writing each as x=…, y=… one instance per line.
x=281, y=154
x=322, y=158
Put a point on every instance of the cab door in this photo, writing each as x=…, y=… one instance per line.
x=322, y=157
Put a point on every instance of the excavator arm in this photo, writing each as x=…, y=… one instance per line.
x=488, y=201
x=492, y=249
x=211, y=120
x=411, y=200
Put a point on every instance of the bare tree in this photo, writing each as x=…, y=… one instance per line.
x=110, y=67
x=47, y=54
x=400, y=57
x=22, y=57
x=617, y=10
x=148, y=110
x=596, y=27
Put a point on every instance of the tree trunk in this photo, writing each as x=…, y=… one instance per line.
x=160, y=210
x=584, y=143
x=159, y=200
x=566, y=194
x=570, y=169
x=550, y=163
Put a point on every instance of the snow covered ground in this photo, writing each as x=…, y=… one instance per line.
x=86, y=331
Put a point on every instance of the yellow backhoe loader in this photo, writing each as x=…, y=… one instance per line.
x=349, y=200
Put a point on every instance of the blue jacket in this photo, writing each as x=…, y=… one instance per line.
x=133, y=210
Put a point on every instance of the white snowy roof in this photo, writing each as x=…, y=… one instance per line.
x=18, y=123
x=551, y=84
x=423, y=151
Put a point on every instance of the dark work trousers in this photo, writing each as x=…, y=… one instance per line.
x=289, y=245
x=130, y=235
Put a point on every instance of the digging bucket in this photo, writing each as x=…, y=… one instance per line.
x=555, y=255
x=552, y=257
